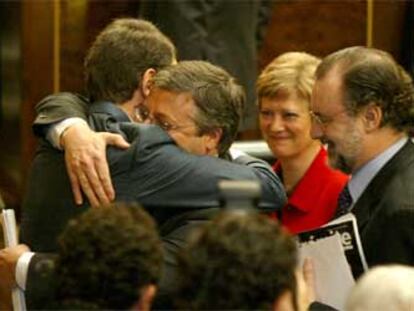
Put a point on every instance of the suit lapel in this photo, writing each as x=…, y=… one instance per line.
x=369, y=202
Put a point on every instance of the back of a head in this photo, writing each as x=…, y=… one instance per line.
x=218, y=97
x=371, y=76
x=106, y=257
x=120, y=55
x=240, y=260
x=384, y=288
x=290, y=74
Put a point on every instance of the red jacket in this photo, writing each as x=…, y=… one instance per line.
x=314, y=199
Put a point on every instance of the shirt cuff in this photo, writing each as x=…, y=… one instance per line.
x=235, y=153
x=55, y=131
x=22, y=268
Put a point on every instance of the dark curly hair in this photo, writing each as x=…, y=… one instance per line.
x=241, y=260
x=106, y=256
x=372, y=76
x=218, y=97
x=120, y=55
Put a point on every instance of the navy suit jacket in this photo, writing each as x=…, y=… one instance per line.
x=153, y=171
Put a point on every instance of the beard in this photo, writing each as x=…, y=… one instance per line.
x=338, y=161
x=345, y=159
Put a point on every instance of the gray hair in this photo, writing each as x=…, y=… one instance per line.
x=218, y=97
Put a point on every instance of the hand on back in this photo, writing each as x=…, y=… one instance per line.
x=86, y=163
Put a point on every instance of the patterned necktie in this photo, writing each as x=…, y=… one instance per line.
x=344, y=202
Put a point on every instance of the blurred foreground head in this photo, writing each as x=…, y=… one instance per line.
x=240, y=260
x=384, y=288
x=109, y=258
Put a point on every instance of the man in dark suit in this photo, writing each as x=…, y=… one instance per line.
x=363, y=106
x=153, y=171
x=165, y=178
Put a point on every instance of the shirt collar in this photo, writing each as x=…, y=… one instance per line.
x=110, y=108
x=360, y=180
x=302, y=192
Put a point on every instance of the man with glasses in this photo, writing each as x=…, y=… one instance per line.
x=363, y=107
x=153, y=171
x=170, y=182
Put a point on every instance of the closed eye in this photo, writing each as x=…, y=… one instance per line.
x=163, y=122
x=290, y=116
x=165, y=125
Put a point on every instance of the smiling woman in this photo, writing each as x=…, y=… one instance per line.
x=284, y=91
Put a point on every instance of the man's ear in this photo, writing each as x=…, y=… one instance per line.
x=372, y=117
x=212, y=141
x=147, y=294
x=146, y=80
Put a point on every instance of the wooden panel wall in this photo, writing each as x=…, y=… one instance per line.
x=37, y=61
x=388, y=24
x=314, y=26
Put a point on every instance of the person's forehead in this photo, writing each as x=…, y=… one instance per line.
x=291, y=101
x=171, y=103
x=327, y=91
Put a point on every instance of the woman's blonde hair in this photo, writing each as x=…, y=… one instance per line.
x=291, y=73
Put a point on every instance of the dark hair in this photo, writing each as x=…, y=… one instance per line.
x=120, y=55
x=106, y=256
x=372, y=76
x=216, y=94
x=241, y=260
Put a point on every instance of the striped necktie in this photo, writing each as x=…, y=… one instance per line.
x=344, y=202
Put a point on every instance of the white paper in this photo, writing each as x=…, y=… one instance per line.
x=10, y=239
x=333, y=276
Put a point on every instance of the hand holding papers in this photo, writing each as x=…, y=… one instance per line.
x=10, y=239
x=338, y=258
x=333, y=278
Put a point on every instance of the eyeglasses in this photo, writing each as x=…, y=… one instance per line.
x=324, y=121
x=167, y=126
x=143, y=114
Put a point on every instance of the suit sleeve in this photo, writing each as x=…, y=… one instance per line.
x=161, y=174
x=318, y=306
x=40, y=284
x=399, y=237
x=57, y=107
x=272, y=188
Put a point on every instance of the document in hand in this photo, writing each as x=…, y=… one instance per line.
x=333, y=277
x=10, y=239
x=338, y=258
x=347, y=228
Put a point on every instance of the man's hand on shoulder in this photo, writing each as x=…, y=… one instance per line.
x=85, y=156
